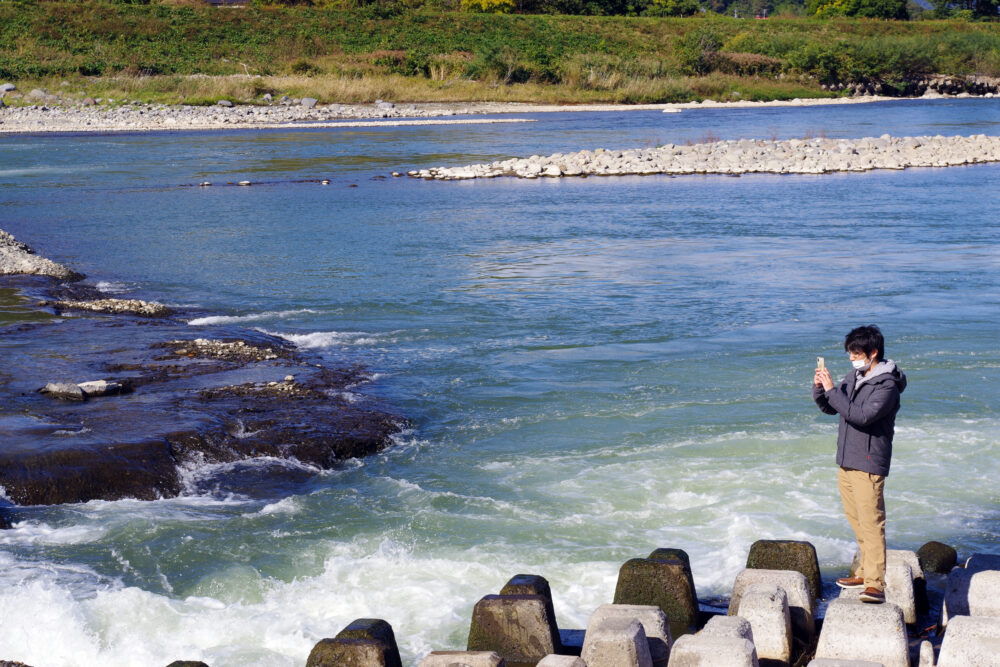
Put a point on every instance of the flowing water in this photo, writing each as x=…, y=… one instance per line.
x=593, y=368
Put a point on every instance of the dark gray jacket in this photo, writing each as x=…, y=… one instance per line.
x=867, y=407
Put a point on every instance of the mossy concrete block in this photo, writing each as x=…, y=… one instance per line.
x=971, y=593
x=937, y=557
x=980, y=562
x=703, y=650
x=672, y=554
x=654, y=625
x=971, y=641
x=801, y=605
x=853, y=630
x=787, y=555
x=530, y=584
x=518, y=627
x=728, y=626
x=666, y=584
x=351, y=653
x=462, y=659
x=617, y=641
x=766, y=607
x=561, y=661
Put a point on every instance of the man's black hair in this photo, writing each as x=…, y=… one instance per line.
x=866, y=339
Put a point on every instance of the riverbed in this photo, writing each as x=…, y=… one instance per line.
x=592, y=368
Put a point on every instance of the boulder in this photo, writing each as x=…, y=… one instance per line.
x=462, y=659
x=64, y=391
x=937, y=557
x=617, y=642
x=854, y=630
x=801, y=606
x=728, y=626
x=7, y=87
x=971, y=592
x=366, y=642
x=517, y=627
x=666, y=583
x=103, y=388
x=267, y=97
x=787, y=555
x=765, y=606
x=308, y=102
x=654, y=625
x=971, y=640
x=703, y=650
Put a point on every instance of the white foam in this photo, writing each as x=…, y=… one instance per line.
x=42, y=534
x=111, y=287
x=321, y=339
x=252, y=317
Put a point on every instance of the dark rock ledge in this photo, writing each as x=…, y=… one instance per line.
x=184, y=397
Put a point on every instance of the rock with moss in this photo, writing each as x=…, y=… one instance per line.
x=665, y=583
x=937, y=557
x=787, y=555
x=519, y=628
x=366, y=642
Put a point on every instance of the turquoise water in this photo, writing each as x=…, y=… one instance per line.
x=593, y=367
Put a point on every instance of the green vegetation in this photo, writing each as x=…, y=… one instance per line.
x=195, y=53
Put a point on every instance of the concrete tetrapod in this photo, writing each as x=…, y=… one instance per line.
x=561, y=661
x=654, y=625
x=788, y=555
x=836, y=662
x=462, y=659
x=899, y=590
x=971, y=593
x=366, y=642
x=853, y=630
x=518, y=627
x=666, y=583
x=900, y=596
x=971, y=641
x=617, y=642
x=532, y=584
x=703, y=650
x=728, y=626
x=765, y=606
x=800, y=603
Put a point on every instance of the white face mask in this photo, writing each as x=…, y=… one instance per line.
x=860, y=364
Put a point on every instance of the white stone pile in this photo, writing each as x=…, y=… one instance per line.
x=743, y=156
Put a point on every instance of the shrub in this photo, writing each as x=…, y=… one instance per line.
x=489, y=6
x=673, y=8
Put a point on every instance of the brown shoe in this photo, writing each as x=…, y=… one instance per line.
x=851, y=582
x=872, y=595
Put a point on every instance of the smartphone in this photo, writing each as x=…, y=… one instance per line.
x=820, y=363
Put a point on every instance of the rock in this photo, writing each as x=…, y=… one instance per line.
x=654, y=624
x=853, y=630
x=665, y=583
x=17, y=258
x=971, y=640
x=224, y=103
x=103, y=388
x=384, y=105
x=308, y=102
x=728, y=626
x=267, y=97
x=971, y=593
x=366, y=642
x=765, y=606
x=65, y=391
x=88, y=102
x=517, y=627
x=462, y=658
x=7, y=87
x=114, y=307
x=2, y=104
x=703, y=650
x=788, y=555
x=801, y=606
x=617, y=642
x=37, y=94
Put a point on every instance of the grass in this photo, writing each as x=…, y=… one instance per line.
x=184, y=53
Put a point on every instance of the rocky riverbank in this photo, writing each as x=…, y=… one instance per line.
x=744, y=156
x=121, y=398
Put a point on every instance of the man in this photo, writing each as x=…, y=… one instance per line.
x=867, y=401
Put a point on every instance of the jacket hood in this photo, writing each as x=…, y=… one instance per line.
x=885, y=371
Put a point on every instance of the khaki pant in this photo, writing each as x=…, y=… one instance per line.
x=861, y=493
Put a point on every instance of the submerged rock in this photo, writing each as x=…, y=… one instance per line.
x=18, y=258
x=66, y=391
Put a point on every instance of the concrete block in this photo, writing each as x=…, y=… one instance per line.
x=462, y=659
x=518, y=627
x=834, y=662
x=669, y=554
x=893, y=556
x=562, y=661
x=365, y=642
x=899, y=590
x=617, y=642
x=654, y=625
x=926, y=655
x=854, y=630
x=666, y=583
x=971, y=641
x=980, y=562
x=800, y=602
x=703, y=650
x=728, y=626
x=937, y=557
x=765, y=606
x=788, y=555
x=531, y=584
x=971, y=593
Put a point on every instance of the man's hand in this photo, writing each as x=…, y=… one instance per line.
x=823, y=379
